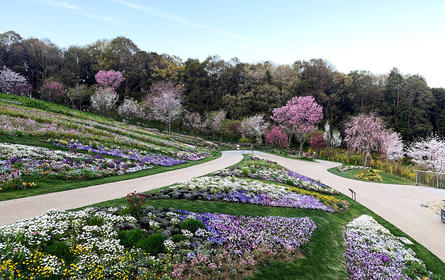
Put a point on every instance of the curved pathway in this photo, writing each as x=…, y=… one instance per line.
x=28, y=207
x=398, y=204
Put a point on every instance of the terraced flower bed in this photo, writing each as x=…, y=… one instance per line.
x=240, y=190
x=103, y=243
x=372, y=252
x=259, y=168
x=18, y=161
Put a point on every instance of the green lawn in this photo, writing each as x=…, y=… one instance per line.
x=387, y=178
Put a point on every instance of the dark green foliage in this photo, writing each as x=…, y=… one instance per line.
x=153, y=244
x=177, y=237
x=61, y=250
x=129, y=238
x=192, y=225
x=95, y=221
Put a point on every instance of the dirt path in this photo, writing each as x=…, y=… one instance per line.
x=22, y=208
x=399, y=204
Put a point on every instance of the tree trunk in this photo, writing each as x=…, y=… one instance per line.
x=301, y=148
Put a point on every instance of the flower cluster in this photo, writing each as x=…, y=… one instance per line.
x=344, y=168
x=372, y=252
x=258, y=168
x=240, y=190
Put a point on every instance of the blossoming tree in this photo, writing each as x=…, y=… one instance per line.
x=299, y=116
x=214, y=120
x=275, y=136
x=254, y=127
x=165, y=102
x=103, y=100
x=429, y=153
x=366, y=133
x=109, y=79
x=393, y=146
x=9, y=80
x=129, y=110
x=193, y=120
x=317, y=141
x=53, y=92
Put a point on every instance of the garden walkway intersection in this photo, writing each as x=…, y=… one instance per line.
x=398, y=204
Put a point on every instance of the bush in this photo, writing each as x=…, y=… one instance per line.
x=276, y=137
x=135, y=201
x=60, y=250
x=153, y=244
x=192, y=225
x=178, y=238
x=129, y=238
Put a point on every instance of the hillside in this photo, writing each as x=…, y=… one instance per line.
x=47, y=147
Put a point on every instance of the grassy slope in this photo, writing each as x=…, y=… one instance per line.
x=387, y=178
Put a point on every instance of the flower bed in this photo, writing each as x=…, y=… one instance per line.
x=162, y=244
x=369, y=175
x=140, y=156
x=17, y=161
x=239, y=190
x=344, y=168
x=258, y=168
x=372, y=252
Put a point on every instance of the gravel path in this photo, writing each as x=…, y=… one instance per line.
x=22, y=208
x=398, y=204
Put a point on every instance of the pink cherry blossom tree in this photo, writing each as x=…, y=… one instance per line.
x=10, y=79
x=429, y=153
x=317, y=141
x=109, y=79
x=165, y=102
x=53, y=92
x=393, y=146
x=275, y=136
x=254, y=127
x=299, y=116
x=366, y=133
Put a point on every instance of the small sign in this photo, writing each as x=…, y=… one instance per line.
x=442, y=215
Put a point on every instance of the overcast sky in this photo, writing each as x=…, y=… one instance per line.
x=353, y=35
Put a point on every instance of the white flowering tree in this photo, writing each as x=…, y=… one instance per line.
x=332, y=137
x=254, y=127
x=193, y=121
x=10, y=80
x=103, y=100
x=214, y=120
x=393, y=146
x=129, y=110
x=165, y=102
x=429, y=153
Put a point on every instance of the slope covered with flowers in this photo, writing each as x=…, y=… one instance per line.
x=160, y=244
x=59, y=143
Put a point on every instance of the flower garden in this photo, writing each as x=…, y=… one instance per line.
x=45, y=149
x=218, y=226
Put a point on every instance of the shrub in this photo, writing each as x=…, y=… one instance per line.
x=129, y=110
x=317, y=141
x=129, y=238
x=135, y=202
x=60, y=250
x=153, y=244
x=177, y=237
x=192, y=225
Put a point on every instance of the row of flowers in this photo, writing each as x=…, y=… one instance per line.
x=259, y=168
x=18, y=161
x=240, y=190
x=136, y=155
x=372, y=252
x=161, y=244
x=344, y=168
